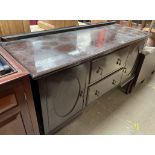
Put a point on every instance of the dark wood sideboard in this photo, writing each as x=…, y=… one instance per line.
x=72, y=67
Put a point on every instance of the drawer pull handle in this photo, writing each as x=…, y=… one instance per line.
x=114, y=82
x=118, y=62
x=99, y=70
x=124, y=70
x=97, y=93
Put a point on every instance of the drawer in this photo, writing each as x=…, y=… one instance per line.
x=103, y=86
x=106, y=65
x=7, y=102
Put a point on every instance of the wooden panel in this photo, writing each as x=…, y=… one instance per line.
x=62, y=23
x=62, y=96
x=0, y=30
x=59, y=24
x=9, y=27
x=7, y=102
x=4, y=27
x=26, y=25
x=70, y=23
x=98, y=21
x=19, y=98
x=44, y=25
x=134, y=49
x=30, y=104
x=13, y=126
x=18, y=84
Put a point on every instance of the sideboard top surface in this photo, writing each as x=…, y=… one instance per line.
x=46, y=54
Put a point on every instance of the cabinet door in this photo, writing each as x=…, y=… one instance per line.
x=106, y=65
x=14, y=115
x=134, y=49
x=62, y=96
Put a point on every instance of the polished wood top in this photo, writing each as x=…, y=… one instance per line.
x=47, y=54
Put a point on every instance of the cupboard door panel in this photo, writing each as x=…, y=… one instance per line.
x=21, y=99
x=13, y=126
x=62, y=96
x=134, y=50
x=14, y=110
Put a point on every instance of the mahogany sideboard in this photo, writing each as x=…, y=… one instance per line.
x=17, y=111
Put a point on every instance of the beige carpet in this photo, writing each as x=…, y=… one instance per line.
x=118, y=113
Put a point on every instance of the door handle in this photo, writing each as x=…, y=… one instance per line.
x=81, y=93
x=124, y=70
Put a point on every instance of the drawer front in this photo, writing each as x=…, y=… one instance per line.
x=100, y=88
x=7, y=102
x=106, y=65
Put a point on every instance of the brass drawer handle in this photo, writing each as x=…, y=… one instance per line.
x=118, y=62
x=97, y=93
x=114, y=82
x=99, y=70
x=124, y=70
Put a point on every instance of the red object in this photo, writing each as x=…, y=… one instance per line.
x=33, y=22
x=101, y=38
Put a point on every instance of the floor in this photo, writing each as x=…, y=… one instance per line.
x=118, y=113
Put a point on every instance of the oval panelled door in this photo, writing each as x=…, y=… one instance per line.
x=66, y=95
